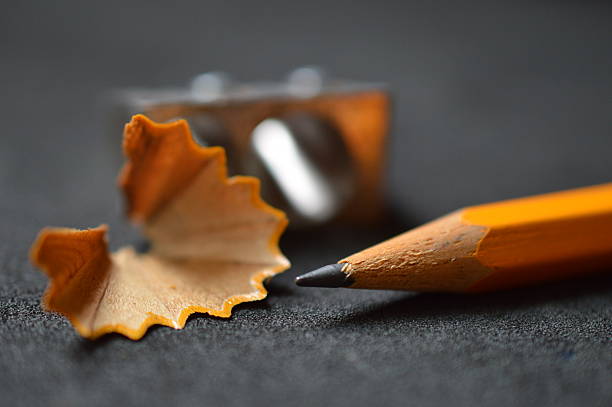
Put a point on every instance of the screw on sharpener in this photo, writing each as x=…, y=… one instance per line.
x=306, y=81
x=210, y=86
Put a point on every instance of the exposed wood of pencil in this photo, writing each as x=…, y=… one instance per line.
x=495, y=246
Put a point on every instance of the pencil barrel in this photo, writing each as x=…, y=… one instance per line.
x=495, y=246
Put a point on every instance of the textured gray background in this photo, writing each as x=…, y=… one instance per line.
x=492, y=101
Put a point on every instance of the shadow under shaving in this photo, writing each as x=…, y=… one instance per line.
x=430, y=305
x=84, y=347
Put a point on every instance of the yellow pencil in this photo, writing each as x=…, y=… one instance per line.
x=487, y=247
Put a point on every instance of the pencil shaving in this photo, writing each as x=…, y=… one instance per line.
x=213, y=241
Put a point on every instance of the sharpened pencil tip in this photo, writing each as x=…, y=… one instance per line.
x=330, y=276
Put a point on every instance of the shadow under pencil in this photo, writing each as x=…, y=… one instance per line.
x=432, y=305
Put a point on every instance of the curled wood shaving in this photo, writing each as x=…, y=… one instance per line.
x=213, y=241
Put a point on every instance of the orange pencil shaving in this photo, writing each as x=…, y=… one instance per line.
x=213, y=241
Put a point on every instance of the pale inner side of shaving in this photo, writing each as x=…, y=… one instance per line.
x=145, y=286
x=217, y=220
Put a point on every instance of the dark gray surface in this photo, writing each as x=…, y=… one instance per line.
x=492, y=101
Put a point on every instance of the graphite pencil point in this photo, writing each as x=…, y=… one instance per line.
x=330, y=276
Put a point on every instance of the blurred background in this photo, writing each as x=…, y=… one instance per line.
x=492, y=100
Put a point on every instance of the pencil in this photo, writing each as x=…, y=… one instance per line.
x=487, y=247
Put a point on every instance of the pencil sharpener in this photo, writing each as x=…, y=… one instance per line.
x=317, y=144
